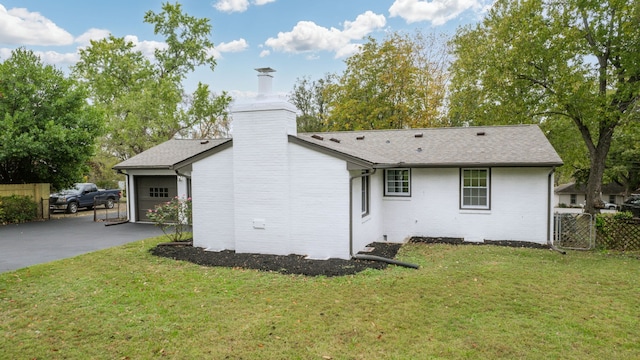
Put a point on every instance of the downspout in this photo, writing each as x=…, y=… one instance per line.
x=364, y=256
x=549, y=211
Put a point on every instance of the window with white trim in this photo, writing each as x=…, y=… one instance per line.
x=365, y=193
x=475, y=188
x=397, y=182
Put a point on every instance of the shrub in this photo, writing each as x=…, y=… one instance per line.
x=173, y=215
x=618, y=231
x=17, y=209
x=107, y=184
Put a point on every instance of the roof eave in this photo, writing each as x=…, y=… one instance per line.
x=354, y=161
x=461, y=164
x=145, y=167
x=199, y=156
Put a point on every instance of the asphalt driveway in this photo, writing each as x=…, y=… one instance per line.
x=33, y=243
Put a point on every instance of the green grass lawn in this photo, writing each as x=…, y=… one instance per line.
x=484, y=302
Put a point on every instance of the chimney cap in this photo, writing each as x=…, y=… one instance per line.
x=265, y=70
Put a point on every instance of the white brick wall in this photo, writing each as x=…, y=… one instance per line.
x=319, y=196
x=369, y=228
x=261, y=177
x=519, y=207
x=213, y=202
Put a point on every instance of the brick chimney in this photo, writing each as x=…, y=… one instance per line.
x=261, y=173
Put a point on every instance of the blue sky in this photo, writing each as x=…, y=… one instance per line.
x=296, y=37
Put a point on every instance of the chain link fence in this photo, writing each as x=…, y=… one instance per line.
x=574, y=231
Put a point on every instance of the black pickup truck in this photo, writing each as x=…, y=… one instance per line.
x=83, y=195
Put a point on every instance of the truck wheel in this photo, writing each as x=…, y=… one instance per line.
x=109, y=204
x=72, y=208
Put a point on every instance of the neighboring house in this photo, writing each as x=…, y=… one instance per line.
x=328, y=195
x=574, y=195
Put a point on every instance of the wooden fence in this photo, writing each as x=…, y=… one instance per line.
x=619, y=234
x=38, y=192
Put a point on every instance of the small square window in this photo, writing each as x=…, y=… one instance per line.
x=159, y=192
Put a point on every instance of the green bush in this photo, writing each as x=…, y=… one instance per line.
x=17, y=209
x=107, y=184
x=617, y=231
x=173, y=217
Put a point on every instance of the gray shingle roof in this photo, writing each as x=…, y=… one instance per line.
x=169, y=153
x=520, y=145
x=573, y=188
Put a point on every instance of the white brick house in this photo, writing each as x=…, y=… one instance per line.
x=327, y=195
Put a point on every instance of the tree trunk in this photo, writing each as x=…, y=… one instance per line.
x=594, y=184
x=598, y=159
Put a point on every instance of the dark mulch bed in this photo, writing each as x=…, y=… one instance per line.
x=458, y=241
x=289, y=264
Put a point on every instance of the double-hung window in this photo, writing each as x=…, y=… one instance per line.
x=475, y=189
x=397, y=182
x=365, y=193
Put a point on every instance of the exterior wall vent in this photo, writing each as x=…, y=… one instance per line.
x=418, y=135
x=360, y=137
x=480, y=133
x=317, y=137
x=335, y=140
x=204, y=142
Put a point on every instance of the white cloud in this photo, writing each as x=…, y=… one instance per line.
x=238, y=5
x=59, y=60
x=147, y=48
x=232, y=5
x=233, y=46
x=19, y=26
x=307, y=36
x=437, y=12
x=5, y=53
x=264, y=53
x=230, y=47
x=92, y=34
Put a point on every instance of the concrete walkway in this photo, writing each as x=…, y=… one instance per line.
x=33, y=243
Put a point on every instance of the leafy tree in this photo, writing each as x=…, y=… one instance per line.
x=544, y=61
x=312, y=99
x=144, y=100
x=47, y=129
x=207, y=114
x=399, y=83
x=623, y=164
